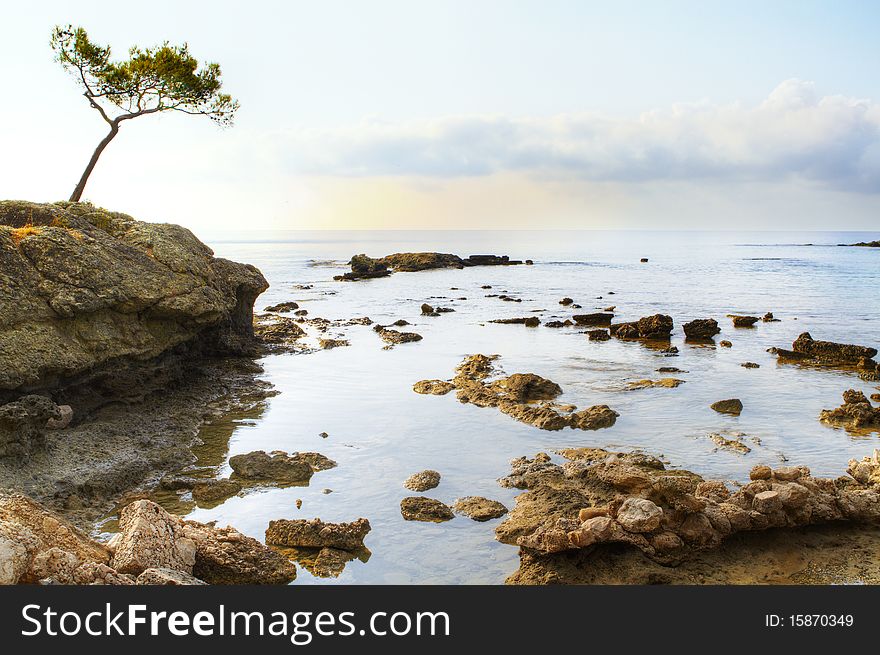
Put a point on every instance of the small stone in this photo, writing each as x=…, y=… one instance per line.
x=730, y=406
x=422, y=481
x=767, y=502
x=419, y=508
x=760, y=472
x=639, y=515
x=479, y=508
x=725, y=344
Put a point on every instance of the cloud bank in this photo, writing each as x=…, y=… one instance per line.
x=793, y=135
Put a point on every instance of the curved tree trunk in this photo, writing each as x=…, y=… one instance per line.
x=81, y=185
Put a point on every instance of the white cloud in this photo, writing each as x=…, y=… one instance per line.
x=794, y=134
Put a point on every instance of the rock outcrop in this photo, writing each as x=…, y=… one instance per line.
x=701, y=329
x=364, y=267
x=88, y=291
x=658, y=327
x=315, y=533
x=827, y=352
x=527, y=397
x=600, y=498
x=856, y=413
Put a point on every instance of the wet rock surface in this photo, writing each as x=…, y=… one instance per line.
x=701, y=329
x=743, y=321
x=479, y=508
x=279, y=466
x=527, y=397
x=827, y=352
x=657, y=327
x=856, y=413
x=315, y=533
x=364, y=267
x=433, y=387
x=603, y=504
x=395, y=337
x=732, y=406
x=419, y=508
x=422, y=481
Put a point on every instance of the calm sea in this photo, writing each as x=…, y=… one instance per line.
x=380, y=431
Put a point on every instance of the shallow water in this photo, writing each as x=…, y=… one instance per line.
x=380, y=431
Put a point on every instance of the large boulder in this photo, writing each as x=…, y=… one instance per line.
x=85, y=289
x=149, y=538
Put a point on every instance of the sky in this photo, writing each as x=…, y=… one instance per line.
x=484, y=114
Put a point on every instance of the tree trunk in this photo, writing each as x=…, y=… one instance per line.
x=81, y=185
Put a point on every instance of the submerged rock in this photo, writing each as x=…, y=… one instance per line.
x=701, y=329
x=667, y=383
x=422, y=481
x=598, y=335
x=732, y=445
x=282, y=307
x=730, y=406
x=658, y=326
x=593, y=320
x=524, y=396
x=479, y=508
x=315, y=533
x=831, y=352
x=278, y=333
x=364, y=268
x=327, y=344
x=433, y=387
x=856, y=413
x=743, y=321
x=419, y=508
x=393, y=337
x=279, y=466
x=211, y=491
x=528, y=321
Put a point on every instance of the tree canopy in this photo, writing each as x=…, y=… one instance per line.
x=152, y=80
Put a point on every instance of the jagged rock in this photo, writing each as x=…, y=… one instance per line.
x=150, y=537
x=831, y=352
x=315, y=533
x=593, y=320
x=277, y=333
x=363, y=268
x=65, y=420
x=602, y=498
x=419, y=508
x=658, y=326
x=598, y=335
x=524, y=396
x=225, y=556
x=422, y=481
x=733, y=445
x=558, y=324
x=769, y=318
x=701, y=329
x=394, y=337
x=479, y=508
x=743, y=321
x=730, y=406
x=89, y=290
x=160, y=576
x=28, y=529
x=23, y=425
x=433, y=387
x=327, y=344
x=856, y=412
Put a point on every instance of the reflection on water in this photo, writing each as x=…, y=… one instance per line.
x=380, y=431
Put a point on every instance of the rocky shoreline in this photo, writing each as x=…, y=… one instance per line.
x=121, y=340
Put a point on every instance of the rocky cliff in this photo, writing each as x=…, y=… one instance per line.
x=83, y=289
